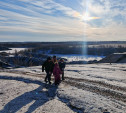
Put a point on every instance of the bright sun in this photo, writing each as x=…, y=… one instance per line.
x=87, y=17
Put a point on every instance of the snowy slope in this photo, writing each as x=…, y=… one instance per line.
x=114, y=58
x=91, y=88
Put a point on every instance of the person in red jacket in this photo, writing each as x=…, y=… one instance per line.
x=56, y=73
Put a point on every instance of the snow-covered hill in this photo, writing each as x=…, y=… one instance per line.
x=91, y=88
x=114, y=58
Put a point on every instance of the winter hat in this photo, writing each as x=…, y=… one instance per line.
x=49, y=58
x=54, y=56
x=61, y=59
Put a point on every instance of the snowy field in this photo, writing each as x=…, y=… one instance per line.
x=77, y=57
x=88, y=88
x=13, y=50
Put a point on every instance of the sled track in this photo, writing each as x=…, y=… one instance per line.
x=98, y=83
x=102, y=91
x=98, y=87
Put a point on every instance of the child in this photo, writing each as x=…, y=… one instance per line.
x=56, y=73
x=62, y=66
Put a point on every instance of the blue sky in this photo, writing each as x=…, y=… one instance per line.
x=62, y=20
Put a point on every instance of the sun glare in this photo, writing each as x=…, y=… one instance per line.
x=87, y=17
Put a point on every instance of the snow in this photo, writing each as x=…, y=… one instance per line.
x=13, y=50
x=90, y=102
x=114, y=74
x=91, y=88
x=76, y=57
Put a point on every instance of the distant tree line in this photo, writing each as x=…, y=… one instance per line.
x=78, y=47
x=103, y=50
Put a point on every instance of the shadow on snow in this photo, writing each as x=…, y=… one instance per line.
x=39, y=96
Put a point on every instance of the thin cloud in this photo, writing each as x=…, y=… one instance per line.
x=46, y=18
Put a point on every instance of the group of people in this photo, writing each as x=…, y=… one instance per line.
x=55, y=67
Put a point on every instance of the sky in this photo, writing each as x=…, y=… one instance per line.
x=62, y=20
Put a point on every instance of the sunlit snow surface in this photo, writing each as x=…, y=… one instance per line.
x=115, y=73
x=77, y=57
x=92, y=88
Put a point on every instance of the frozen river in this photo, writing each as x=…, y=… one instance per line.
x=77, y=57
x=69, y=57
x=13, y=50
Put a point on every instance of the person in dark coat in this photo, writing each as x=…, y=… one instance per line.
x=62, y=66
x=48, y=67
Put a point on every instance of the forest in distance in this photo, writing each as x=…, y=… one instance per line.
x=103, y=48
